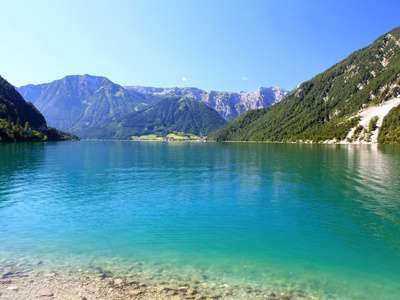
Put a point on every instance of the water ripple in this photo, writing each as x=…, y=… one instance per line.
x=296, y=212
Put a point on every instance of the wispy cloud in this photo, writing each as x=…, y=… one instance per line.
x=184, y=79
x=243, y=78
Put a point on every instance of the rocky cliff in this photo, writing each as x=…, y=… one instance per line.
x=228, y=104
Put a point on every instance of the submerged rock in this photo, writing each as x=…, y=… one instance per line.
x=5, y=281
x=183, y=289
x=191, y=291
x=6, y=274
x=171, y=293
x=163, y=288
x=135, y=292
x=101, y=276
x=45, y=293
x=118, y=282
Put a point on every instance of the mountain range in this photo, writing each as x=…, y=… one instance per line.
x=76, y=101
x=90, y=106
x=355, y=100
x=228, y=104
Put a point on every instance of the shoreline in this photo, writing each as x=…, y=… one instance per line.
x=21, y=283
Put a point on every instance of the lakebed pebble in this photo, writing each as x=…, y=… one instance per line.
x=103, y=282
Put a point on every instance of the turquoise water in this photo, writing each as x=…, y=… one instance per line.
x=321, y=218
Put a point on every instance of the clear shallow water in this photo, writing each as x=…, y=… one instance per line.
x=323, y=218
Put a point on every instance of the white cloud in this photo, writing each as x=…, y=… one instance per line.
x=184, y=79
x=244, y=78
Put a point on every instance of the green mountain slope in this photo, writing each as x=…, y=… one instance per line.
x=390, y=131
x=75, y=102
x=13, y=106
x=162, y=118
x=21, y=121
x=326, y=107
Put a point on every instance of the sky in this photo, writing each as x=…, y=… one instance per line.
x=220, y=45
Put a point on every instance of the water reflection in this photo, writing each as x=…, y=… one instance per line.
x=364, y=184
x=19, y=162
x=311, y=211
x=368, y=175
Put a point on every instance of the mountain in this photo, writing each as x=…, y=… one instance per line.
x=13, y=106
x=85, y=105
x=21, y=121
x=228, y=104
x=76, y=102
x=354, y=101
x=170, y=115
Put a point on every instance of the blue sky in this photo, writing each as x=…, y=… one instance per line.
x=213, y=45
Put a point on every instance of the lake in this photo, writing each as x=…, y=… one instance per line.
x=322, y=220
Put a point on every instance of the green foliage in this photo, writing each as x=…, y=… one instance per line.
x=319, y=109
x=14, y=112
x=162, y=118
x=10, y=132
x=53, y=134
x=389, y=133
x=182, y=136
x=357, y=132
x=16, y=109
x=372, y=124
x=21, y=121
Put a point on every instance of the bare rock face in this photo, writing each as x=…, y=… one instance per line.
x=46, y=293
x=228, y=104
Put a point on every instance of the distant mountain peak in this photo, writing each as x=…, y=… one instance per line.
x=228, y=104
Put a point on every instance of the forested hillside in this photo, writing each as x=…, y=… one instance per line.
x=326, y=107
x=162, y=118
x=14, y=107
x=21, y=121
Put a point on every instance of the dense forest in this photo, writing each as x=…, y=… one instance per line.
x=14, y=107
x=390, y=130
x=324, y=107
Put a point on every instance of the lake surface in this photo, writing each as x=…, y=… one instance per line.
x=322, y=219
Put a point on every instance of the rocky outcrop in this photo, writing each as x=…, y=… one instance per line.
x=228, y=104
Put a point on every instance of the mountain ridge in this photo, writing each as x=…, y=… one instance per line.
x=228, y=104
x=75, y=100
x=76, y=89
x=185, y=117
x=81, y=103
x=328, y=106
